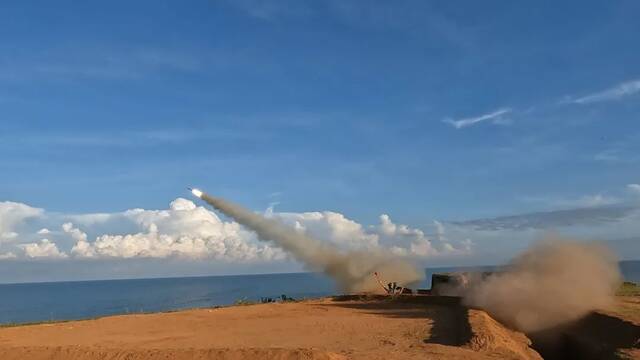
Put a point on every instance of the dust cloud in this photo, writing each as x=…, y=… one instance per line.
x=352, y=271
x=554, y=282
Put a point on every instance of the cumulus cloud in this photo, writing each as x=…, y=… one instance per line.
x=614, y=93
x=188, y=231
x=348, y=234
x=183, y=230
x=496, y=117
x=82, y=248
x=43, y=249
x=419, y=244
x=12, y=214
x=156, y=245
x=329, y=226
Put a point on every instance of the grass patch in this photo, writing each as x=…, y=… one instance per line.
x=9, y=325
x=244, y=301
x=628, y=289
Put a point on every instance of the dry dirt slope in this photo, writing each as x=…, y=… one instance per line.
x=612, y=334
x=319, y=329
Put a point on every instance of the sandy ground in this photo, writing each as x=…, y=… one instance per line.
x=319, y=329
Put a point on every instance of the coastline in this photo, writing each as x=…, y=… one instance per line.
x=321, y=328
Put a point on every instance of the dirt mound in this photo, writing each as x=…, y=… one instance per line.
x=488, y=335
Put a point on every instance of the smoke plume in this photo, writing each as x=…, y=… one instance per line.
x=554, y=282
x=352, y=271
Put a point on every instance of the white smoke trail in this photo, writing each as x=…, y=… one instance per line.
x=353, y=271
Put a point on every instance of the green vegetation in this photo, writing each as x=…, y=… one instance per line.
x=244, y=301
x=8, y=325
x=628, y=289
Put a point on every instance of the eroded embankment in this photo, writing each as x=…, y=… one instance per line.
x=594, y=337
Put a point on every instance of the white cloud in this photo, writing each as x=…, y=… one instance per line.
x=348, y=234
x=496, y=117
x=608, y=155
x=82, y=248
x=8, y=236
x=187, y=231
x=8, y=255
x=634, y=188
x=585, y=201
x=622, y=153
x=43, y=231
x=546, y=220
x=396, y=235
x=329, y=226
x=43, y=249
x=589, y=201
x=152, y=244
x=498, y=238
x=13, y=214
x=585, y=211
x=183, y=230
x=617, y=92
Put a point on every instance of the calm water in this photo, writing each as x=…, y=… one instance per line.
x=85, y=299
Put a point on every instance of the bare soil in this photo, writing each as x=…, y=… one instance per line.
x=610, y=334
x=317, y=329
x=350, y=327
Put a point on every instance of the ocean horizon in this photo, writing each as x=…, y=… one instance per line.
x=85, y=299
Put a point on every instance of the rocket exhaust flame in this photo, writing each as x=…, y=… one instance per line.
x=352, y=270
x=196, y=192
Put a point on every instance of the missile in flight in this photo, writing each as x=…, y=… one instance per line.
x=195, y=192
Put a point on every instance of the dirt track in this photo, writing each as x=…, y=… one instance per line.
x=320, y=329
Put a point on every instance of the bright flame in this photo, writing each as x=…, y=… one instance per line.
x=196, y=192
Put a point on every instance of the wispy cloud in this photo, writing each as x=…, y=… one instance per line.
x=585, y=201
x=271, y=10
x=496, y=117
x=146, y=138
x=634, y=188
x=100, y=63
x=608, y=155
x=614, y=93
x=551, y=219
x=625, y=150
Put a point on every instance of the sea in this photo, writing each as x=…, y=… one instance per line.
x=73, y=300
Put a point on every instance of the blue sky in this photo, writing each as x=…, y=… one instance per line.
x=423, y=110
